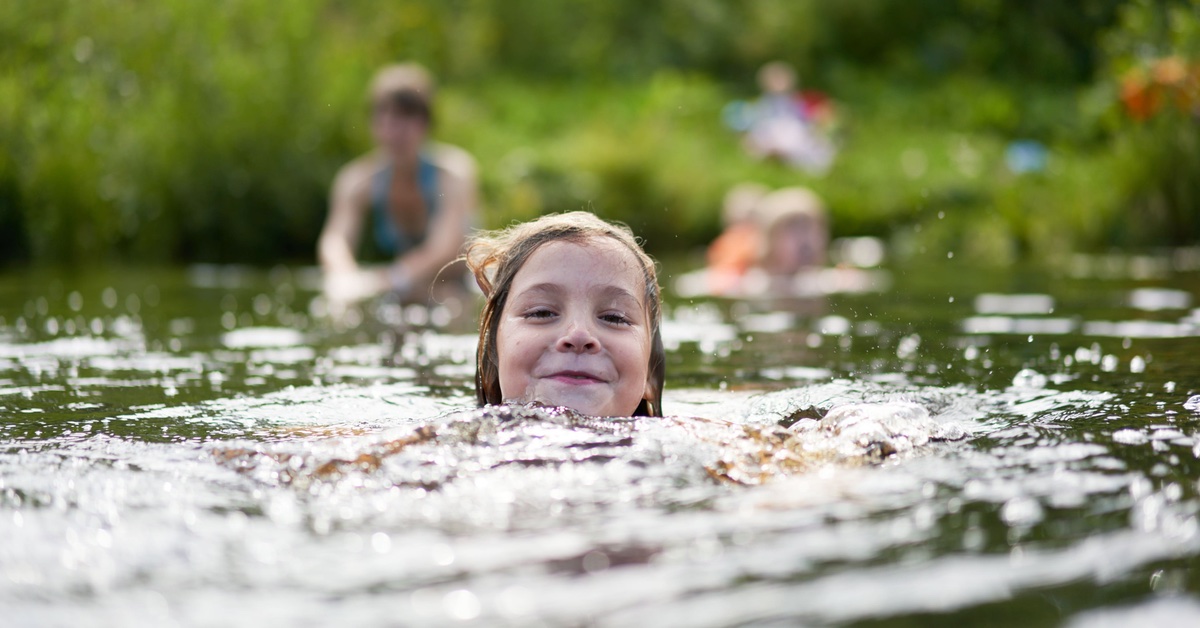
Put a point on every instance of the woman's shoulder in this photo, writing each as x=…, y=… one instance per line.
x=356, y=175
x=452, y=160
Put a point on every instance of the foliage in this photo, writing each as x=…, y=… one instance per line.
x=182, y=130
x=1154, y=56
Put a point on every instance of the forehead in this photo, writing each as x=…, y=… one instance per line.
x=590, y=262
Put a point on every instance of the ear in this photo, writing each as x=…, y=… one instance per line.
x=648, y=396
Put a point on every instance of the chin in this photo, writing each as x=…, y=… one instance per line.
x=581, y=402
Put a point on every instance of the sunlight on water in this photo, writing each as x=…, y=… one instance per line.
x=186, y=455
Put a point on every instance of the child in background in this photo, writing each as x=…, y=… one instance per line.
x=796, y=231
x=736, y=250
x=571, y=319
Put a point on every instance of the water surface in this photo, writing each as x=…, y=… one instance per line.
x=205, y=446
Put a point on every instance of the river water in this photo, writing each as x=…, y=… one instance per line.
x=207, y=447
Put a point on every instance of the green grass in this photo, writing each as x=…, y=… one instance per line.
x=182, y=131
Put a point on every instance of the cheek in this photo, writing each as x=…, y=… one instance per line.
x=635, y=357
x=510, y=359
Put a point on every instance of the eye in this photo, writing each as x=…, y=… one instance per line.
x=540, y=312
x=615, y=318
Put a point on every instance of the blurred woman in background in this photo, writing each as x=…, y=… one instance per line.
x=419, y=197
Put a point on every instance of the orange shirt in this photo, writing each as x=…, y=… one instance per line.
x=733, y=253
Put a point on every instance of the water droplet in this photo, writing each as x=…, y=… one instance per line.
x=461, y=605
x=381, y=542
x=1029, y=378
x=1109, y=363
x=1021, y=511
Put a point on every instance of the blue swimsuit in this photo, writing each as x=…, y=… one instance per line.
x=390, y=238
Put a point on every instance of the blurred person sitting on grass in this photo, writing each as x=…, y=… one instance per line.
x=418, y=196
x=787, y=124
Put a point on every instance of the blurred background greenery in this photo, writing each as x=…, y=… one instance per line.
x=181, y=130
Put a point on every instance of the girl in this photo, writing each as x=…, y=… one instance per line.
x=572, y=317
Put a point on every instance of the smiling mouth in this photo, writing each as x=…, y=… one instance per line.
x=575, y=377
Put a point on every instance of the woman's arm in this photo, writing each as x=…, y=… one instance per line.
x=344, y=224
x=344, y=280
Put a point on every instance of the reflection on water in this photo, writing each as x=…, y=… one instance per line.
x=207, y=448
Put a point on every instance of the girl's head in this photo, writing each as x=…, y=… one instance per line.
x=401, y=97
x=797, y=230
x=572, y=317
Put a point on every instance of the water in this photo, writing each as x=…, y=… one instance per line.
x=204, y=447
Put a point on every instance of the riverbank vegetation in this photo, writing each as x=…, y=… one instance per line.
x=183, y=131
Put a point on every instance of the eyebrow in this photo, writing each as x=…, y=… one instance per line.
x=610, y=290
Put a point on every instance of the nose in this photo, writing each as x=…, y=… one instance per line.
x=578, y=338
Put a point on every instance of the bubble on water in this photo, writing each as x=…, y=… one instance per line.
x=1130, y=437
x=1155, y=299
x=461, y=605
x=907, y=347
x=1029, y=378
x=834, y=325
x=1109, y=363
x=1169, y=387
x=381, y=542
x=988, y=303
x=75, y=301
x=261, y=304
x=1137, y=364
x=1193, y=403
x=1021, y=511
x=516, y=602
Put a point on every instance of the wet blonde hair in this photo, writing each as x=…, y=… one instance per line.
x=494, y=259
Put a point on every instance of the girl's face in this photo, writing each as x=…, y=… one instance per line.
x=574, y=331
